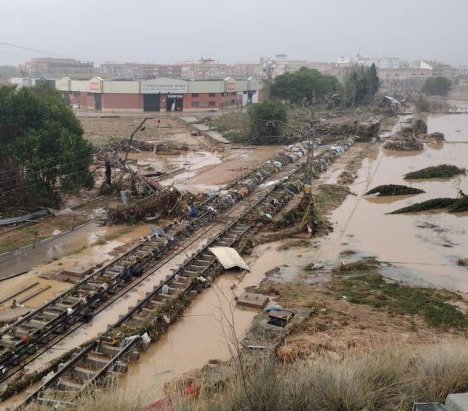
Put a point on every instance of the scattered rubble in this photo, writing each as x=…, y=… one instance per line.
x=441, y=171
x=394, y=190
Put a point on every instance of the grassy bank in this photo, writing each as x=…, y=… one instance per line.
x=386, y=378
x=441, y=171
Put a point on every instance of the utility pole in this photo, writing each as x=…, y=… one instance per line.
x=139, y=128
x=268, y=67
x=309, y=169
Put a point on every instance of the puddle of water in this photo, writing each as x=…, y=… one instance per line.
x=167, y=162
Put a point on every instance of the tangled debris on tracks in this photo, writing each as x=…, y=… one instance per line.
x=440, y=171
x=169, y=203
x=394, y=190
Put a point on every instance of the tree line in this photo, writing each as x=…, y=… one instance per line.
x=43, y=153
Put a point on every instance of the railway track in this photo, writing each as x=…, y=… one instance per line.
x=100, y=360
x=43, y=328
x=71, y=380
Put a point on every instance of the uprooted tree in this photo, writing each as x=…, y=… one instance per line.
x=43, y=150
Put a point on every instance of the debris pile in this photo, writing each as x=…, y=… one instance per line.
x=435, y=136
x=245, y=186
x=405, y=144
x=167, y=203
x=336, y=150
x=366, y=131
x=135, y=146
x=440, y=171
x=394, y=190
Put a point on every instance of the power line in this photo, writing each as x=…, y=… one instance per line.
x=17, y=46
x=44, y=162
x=56, y=55
x=41, y=170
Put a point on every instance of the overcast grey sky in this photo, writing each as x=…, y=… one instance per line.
x=233, y=31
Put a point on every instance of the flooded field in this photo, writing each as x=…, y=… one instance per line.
x=423, y=247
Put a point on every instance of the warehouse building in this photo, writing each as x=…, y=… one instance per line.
x=159, y=94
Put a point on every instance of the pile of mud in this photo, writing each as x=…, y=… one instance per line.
x=394, y=190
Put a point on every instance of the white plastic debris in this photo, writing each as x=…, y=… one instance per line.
x=146, y=338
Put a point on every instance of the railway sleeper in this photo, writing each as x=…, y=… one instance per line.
x=36, y=321
x=10, y=342
x=95, y=361
x=201, y=263
x=71, y=300
x=179, y=285
x=66, y=384
x=47, y=315
x=82, y=373
x=53, y=402
x=108, y=350
x=120, y=367
x=223, y=243
x=61, y=307
x=194, y=268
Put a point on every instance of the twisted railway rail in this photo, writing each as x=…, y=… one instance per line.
x=100, y=359
x=51, y=323
x=40, y=330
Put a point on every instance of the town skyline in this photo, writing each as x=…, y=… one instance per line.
x=146, y=32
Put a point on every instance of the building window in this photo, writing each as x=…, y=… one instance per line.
x=211, y=94
x=211, y=104
x=194, y=94
x=195, y=104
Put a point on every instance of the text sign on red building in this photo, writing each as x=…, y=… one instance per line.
x=163, y=85
x=230, y=87
x=95, y=85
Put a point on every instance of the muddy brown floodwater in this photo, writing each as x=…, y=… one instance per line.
x=423, y=247
x=205, y=332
